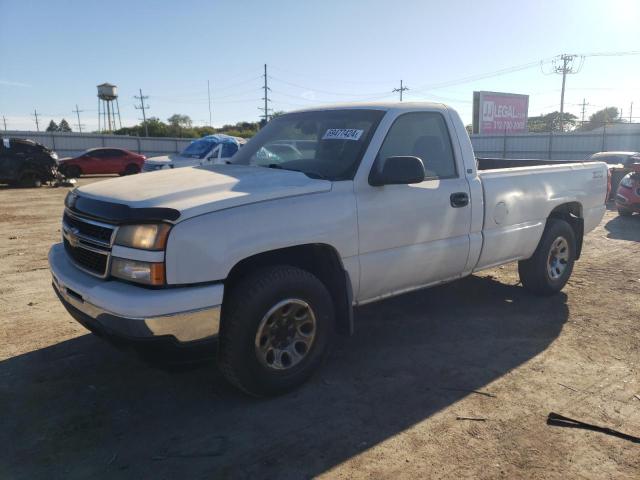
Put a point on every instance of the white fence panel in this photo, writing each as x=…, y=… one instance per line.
x=72, y=144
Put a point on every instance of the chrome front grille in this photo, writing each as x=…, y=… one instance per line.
x=88, y=243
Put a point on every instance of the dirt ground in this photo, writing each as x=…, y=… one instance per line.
x=385, y=405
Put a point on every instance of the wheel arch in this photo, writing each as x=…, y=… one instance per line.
x=322, y=260
x=571, y=212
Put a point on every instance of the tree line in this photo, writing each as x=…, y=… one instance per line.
x=63, y=126
x=550, y=122
x=178, y=125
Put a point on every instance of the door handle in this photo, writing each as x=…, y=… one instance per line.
x=459, y=199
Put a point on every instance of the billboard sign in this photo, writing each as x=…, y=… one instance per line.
x=499, y=113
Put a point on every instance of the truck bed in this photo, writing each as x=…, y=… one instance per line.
x=517, y=202
x=485, y=163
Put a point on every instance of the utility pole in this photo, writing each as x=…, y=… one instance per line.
x=266, y=96
x=564, y=69
x=35, y=114
x=584, y=106
x=142, y=107
x=209, y=94
x=78, y=112
x=401, y=89
x=630, y=113
x=4, y=120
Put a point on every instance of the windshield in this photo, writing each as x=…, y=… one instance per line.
x=199, y=148
x=325, y=144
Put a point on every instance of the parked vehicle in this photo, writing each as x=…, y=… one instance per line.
x=209, y=150
x=97, y=161
x=619, y=165
x=628, y=193
x=270, y=255
x=26, y=163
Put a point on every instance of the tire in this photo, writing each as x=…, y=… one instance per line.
x=72, y=171
x=542, y=274
x=131, y=169
x=623, y=212
x=261, y=299
x=30, y=179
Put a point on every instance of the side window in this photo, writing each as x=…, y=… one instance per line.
x=423, y=135
x=229, y=149
x=215, y=153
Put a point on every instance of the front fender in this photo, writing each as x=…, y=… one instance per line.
x=205, y=248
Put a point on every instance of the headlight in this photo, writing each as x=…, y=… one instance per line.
x=136, y=271
x=627, y=181
x=146, y=237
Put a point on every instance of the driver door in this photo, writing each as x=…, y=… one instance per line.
x=213, y=156
x=418, y=234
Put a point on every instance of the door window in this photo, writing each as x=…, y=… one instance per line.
x=229, y=149
x=215, y=153
x=423, y=135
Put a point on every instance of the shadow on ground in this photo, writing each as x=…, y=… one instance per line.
x=80, y=409
x=624, y=228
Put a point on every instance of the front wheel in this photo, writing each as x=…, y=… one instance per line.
x=275, y=330
x=550, y=267
x=30, y=179
x=624, y=212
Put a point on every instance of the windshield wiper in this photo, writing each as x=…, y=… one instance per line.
x=309, y=174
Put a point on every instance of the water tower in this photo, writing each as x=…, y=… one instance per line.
x=107, y=95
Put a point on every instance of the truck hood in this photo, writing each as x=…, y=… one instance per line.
x=197, y=190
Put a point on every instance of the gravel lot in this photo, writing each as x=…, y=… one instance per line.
x=384, y=406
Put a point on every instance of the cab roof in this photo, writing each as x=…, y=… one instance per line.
x=384, y=106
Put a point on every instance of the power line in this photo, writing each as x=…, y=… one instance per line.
x=142, y=107
x=266, y=96
x=209, y=95
x=584, y=106
x=401, y=89
x=78, y=112
x=318, y=77
x=35, y=114
x=328, y=92
x=565, y=68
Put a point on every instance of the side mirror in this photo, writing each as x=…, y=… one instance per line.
x=396, y=171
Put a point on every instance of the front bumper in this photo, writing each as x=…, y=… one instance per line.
x=121, y=310
x=629, y=198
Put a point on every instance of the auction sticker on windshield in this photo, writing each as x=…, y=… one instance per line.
x=342, y=134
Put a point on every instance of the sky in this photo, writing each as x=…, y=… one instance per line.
x=54, y=53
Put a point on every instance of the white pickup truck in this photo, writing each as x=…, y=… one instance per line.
x=269, y=255
x=209, y=150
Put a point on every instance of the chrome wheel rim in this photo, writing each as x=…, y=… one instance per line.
x=285, y=334
x=558, y=258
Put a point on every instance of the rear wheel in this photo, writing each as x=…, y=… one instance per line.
x=275, y=330
x=131, y=169
x=72, y=171
x=550, y=267
x=624, y=212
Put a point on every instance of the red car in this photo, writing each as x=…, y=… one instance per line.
x=628, y=194
x=102, y=160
